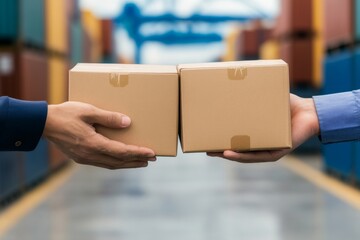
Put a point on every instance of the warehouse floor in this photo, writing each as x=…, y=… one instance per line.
x=189, y=197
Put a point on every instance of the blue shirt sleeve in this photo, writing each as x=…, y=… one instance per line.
x=21, y=124
x=339, y=116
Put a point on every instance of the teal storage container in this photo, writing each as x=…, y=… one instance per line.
x=10, y=174
x=36, y=163
x=9, y=20
x=76, y=42
x=33, y=22
x=24, y=21
x=357, y=19
x=339, y=77
x=357, y=86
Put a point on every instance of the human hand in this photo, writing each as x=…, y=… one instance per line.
x=305, y=124
x=70, y=126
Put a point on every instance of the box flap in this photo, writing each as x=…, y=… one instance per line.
x=222, y=65
x=124, y=68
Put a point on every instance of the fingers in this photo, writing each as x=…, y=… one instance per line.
x=102, y=152
x=117, y=165
x=120, y=150
x=251, y=157
x=215, y=154
x=108, y=118
x=104, y=160
x=108, y=162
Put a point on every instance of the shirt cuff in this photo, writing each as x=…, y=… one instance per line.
x=339, y=116
x=22, y=124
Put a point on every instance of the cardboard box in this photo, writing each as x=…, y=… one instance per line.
x=147, y=94
x=243, y=106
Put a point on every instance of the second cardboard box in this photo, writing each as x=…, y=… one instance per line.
x=243, y=106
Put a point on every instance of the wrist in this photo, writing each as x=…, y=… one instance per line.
x=49, y=121
x=309, y=106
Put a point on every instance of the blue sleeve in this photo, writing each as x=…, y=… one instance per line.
x=21, y=124
x=339, y=116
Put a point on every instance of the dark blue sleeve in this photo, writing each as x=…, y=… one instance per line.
x=21, y=123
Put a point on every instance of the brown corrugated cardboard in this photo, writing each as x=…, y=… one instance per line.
x=146, y=93
x=235, y=105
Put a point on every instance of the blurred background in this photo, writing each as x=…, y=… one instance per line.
x=312, y=194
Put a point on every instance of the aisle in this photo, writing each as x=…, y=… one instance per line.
x=189, y=197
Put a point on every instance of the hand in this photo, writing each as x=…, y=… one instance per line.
x=70, y=126
x=305, y=124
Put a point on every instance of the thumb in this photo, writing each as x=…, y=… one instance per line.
x=109, y=119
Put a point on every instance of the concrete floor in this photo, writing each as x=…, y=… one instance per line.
x=190, y=197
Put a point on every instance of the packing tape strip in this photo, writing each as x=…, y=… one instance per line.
x=240, y=142
x=237, y=73
x=119, y=79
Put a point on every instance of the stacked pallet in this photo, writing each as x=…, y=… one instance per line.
x=39, y=41
x=23, y=74
x=341, y=73
x=298, y=32
x=250, y=39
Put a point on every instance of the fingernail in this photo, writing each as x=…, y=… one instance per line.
x=125, y=121
x=150, y=154
x=152, y=159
